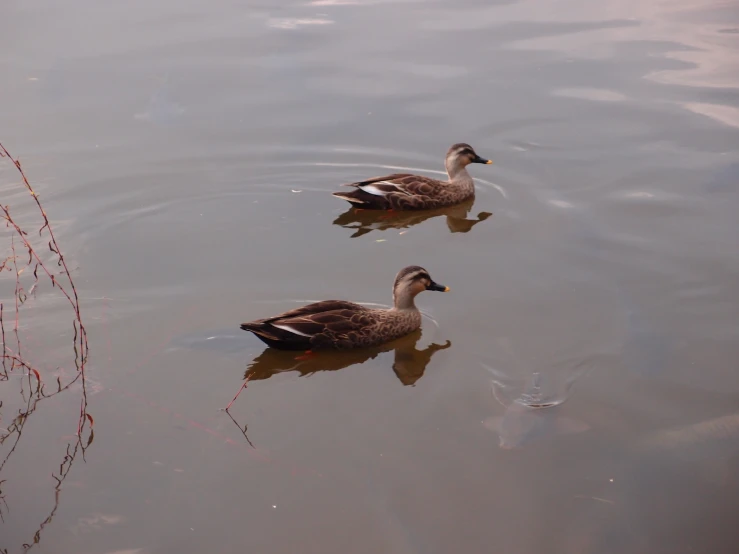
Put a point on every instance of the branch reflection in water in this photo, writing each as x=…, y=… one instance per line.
x=23, y=377
x=366, y=221
x=409, y=363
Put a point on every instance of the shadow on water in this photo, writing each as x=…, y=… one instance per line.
x=366, y=221
x=409, y=364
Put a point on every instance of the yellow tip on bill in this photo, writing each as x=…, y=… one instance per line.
x=489, y=162
x=446, y=289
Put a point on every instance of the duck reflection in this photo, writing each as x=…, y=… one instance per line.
x=366, y=221
x=409, y=364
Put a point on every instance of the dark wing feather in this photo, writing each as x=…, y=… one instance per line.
x=324, y=322
x=402, y=191
x=371, y=180
x=315, y=308
x=417, y=185
x=337, y=322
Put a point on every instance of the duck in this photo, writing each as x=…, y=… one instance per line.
x=405, y=191
x=343, y=325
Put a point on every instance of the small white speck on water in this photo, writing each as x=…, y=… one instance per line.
x=191, y=529
x=296, y=190
x=611, y=480
x=275, y=507
x=380, y=240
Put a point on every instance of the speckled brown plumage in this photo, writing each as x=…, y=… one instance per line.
x=338, y=324
x=405, y=191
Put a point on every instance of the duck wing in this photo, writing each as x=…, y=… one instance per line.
x=330, y=322
x=315, y=308
x=391, y=190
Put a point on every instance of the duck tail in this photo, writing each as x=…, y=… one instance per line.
x=353, y=196
x=276, y=337
x=362, y=199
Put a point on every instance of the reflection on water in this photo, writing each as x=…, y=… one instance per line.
x=366, y=221
x=43, y=368
x=408, y=365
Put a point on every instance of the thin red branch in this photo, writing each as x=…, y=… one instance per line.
x=16, y=358
x=237, y=394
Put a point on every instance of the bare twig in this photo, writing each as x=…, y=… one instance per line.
x=243, y=431
x=14, y=357
x=246, y=381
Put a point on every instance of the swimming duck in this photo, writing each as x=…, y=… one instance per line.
x=341, y=325
x=404, y=191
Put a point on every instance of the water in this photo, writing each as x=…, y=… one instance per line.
x=186, y=152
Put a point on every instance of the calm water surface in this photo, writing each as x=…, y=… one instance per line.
x=185, y=152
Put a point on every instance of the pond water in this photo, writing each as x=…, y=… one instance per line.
x=185, y=153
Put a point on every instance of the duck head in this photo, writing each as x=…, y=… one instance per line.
x=459, y=156
x=409, y=282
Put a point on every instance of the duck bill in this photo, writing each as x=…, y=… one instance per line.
x=437, y=287
x=479, y=160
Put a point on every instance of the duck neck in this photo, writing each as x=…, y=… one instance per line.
x=458, y=173
x=403, y=300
